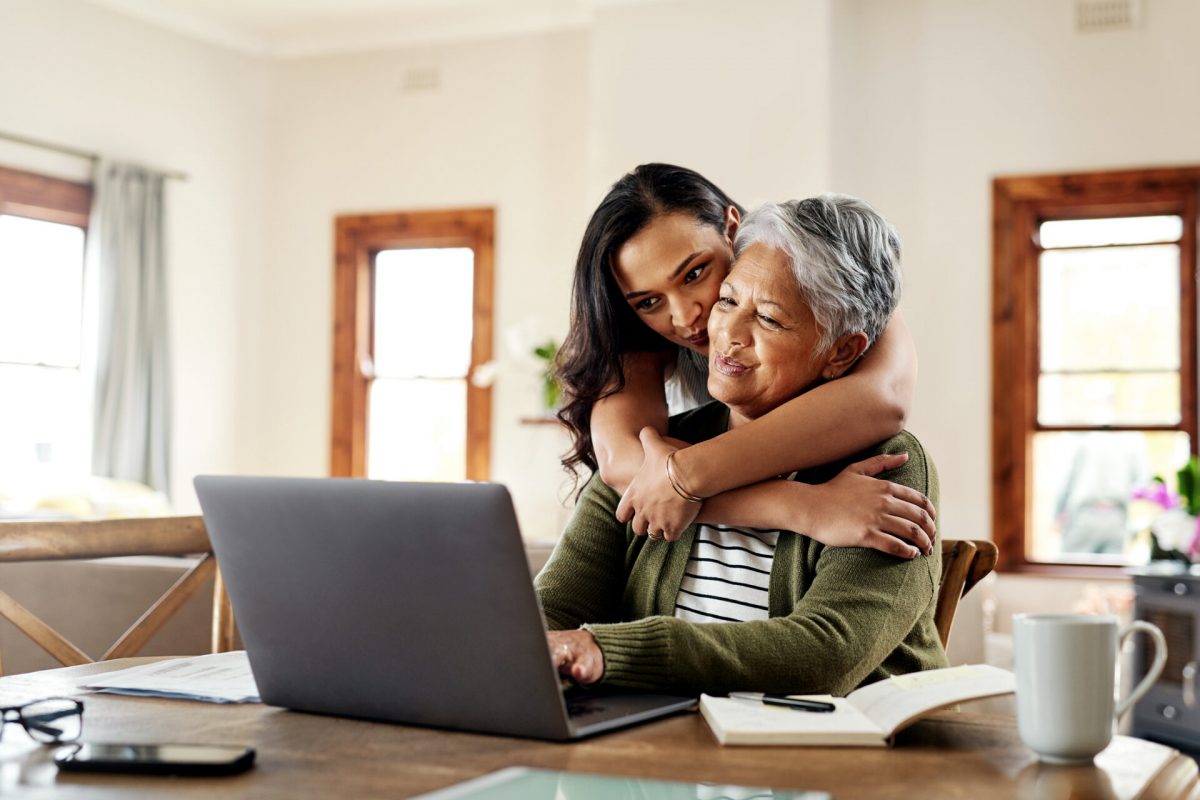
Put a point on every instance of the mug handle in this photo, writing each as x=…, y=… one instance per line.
x=1160, y=659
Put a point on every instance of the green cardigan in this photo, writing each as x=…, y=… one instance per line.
x=838, y=617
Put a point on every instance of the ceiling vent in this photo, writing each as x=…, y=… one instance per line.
x=1093, y=16
x=421, y=79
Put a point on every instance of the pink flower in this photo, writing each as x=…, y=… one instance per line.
x=1158, y=493
x=1193, y=551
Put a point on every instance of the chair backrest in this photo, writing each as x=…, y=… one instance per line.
x=964, y=563
x=87, y=539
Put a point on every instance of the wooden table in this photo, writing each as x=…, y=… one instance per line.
x=952, y=755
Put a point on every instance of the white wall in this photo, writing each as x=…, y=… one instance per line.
x=87, y=78
x=913, y=104
x=539, y=127
x=505, y=128
x=737, y=91
x=934, y=98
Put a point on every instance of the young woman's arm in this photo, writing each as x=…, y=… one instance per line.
x=832, y=421
x=855, y=509
x=617, y=419
x=825, y=424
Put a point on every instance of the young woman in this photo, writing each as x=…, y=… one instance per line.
x=649, y=270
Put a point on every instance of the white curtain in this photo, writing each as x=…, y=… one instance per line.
x=131, y=437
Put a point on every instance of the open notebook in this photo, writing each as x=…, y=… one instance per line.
x=867, y=717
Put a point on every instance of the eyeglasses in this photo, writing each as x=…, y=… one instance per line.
x=54, y=719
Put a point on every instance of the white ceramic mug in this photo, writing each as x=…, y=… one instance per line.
x=1066, y=666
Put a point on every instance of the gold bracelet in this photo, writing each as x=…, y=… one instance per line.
x=679, y=490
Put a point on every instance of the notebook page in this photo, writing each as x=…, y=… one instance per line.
x=896, y=701
x=746, y=722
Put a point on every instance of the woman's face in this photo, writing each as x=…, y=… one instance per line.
x=670, y=274
x=763, y=335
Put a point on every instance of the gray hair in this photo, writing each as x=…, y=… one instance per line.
x=844, y=256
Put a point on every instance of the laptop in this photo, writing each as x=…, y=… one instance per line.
x=403, y=602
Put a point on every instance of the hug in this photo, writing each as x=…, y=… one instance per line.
x=729, y=604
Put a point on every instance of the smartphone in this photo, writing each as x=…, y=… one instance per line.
x=156, y=759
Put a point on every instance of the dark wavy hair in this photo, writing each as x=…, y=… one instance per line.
x=603, y=326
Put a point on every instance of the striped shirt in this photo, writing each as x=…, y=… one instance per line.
x=728, y=575
x=687, y=385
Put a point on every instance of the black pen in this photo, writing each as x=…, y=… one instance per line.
x=793, y=703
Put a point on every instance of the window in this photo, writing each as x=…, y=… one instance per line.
x=413, y=319
x=1094, y=358
x=44, y=389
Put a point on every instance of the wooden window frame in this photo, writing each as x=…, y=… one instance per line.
x=27, y=194
x=48, y=199
x=1019, y=204
x=358, y=239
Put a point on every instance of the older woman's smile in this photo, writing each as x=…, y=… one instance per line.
x=727, y=366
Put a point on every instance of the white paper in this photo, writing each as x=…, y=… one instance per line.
x=744, y=722
x=868, y=716
x=215, y=678
x=892, y=702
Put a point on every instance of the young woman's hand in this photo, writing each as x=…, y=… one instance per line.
x=856, y=509
x=650, y=501
x=576, y=655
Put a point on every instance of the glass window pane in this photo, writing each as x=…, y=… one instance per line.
x=1110, y=309
x=41, y=291
x=417, y=430
x=424, y=313
x=43, y=424
x=1118, y=230
x=1109, y=398
x=1082, y=485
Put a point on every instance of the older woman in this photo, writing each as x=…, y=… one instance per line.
x=726, y=608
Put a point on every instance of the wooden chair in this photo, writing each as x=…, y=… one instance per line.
x=87, y=539
x=964, y=563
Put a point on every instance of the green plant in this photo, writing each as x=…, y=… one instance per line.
x=1189, y=486
x=551, y=391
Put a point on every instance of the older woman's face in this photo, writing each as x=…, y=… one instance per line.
x=762, y=336
x=670, y=273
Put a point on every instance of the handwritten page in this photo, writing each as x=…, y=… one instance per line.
x=215, y=678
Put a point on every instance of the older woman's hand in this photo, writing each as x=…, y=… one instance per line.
x=856, y=509
x=576, y=655
x=650, y=501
